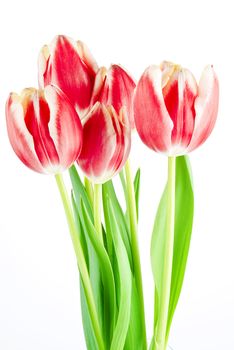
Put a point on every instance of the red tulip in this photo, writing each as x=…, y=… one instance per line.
x=172, y=113
x=44, y=129
x=107, y=142
x=70, y=66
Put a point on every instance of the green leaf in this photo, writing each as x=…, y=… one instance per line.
x=134, y=339
x=137, y=188
x=184, y=206
x=109, y=192
x=125, y=283
x=109, y=298
x=80, y=230
x=79, y=192
x=90, y=339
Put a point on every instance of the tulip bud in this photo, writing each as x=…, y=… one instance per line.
x=44, y=129
x=107, y=136
x=70, y=66
x=172, y=113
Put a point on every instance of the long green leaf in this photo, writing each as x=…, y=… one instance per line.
x=125, y=284
x=79, y=193
x=90, y=339
x=183, y=229
x=184, y=206
x=109, y=192
x=134, y=339
x=107, y=277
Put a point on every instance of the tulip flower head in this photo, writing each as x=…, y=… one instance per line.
x=173, y=114
x=107, y=136
x=70, y=66
x=44, y=129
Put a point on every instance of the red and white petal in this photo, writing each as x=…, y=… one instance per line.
x=118, y=91
x=124, y=143
x=43, y=69
x=36, y=118
x=180, y=91
x=64, y=126
x=19, y=136
x=99, y=85
x=67, y=70
x=206, y=107
x=152, y=120
x=87, y=57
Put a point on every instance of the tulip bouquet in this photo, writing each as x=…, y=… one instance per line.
x=81, y=119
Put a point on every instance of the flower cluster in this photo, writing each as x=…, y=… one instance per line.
x=85, y=113
x=80, y=113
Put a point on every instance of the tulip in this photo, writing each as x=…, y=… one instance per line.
x=107, y=142
x=70, y=66
x=173, y=114
x=44, y=129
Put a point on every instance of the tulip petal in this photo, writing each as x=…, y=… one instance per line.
x=118, y=90
x=104, y=148
x=206, y=107
x=60, y=64
x=152, y=120
x=180, y=92
x=37, y=117
x=87, y=57
x=64, y=126
x=19, y=136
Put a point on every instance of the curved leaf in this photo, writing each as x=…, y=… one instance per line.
x=184, y=206
x=125, y=277
x=107, y=276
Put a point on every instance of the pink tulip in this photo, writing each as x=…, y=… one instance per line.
x=173, y=114
x=107, y=136
x=70, y=66
x=44, y=129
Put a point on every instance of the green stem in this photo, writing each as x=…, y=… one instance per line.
x=131, y=204
x=97, y=208
x=80, y=260
x=160, y=339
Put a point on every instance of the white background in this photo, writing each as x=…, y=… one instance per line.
x=39, y=293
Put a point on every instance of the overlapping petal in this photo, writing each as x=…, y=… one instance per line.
x=107, y=143
x=44, y=129
x=152, y=119
x=206, y=107
x=70, y=66
x=180, y=93
x=117, y=90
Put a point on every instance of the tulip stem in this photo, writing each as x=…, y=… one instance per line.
x=132, y=212
x=97, y=208
x=160, y=336
x=80, y=260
